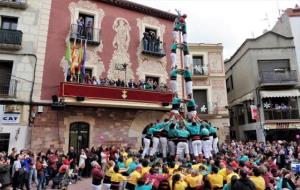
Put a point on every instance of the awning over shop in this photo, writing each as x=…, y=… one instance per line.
x=279, y=93
x=244, y=98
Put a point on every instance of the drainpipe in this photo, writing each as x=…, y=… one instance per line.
x=257, y=90
x=33, y=79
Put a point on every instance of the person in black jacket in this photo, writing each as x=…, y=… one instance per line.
x=244, y=183
x=4, y=173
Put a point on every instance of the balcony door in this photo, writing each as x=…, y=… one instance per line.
x=79, y=135
x=9, y=23
x=200, y=97
x=4, y=141
x=5, y=77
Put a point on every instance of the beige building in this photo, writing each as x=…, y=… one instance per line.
x=24, y=26
x=261, y=78
x=209, y=85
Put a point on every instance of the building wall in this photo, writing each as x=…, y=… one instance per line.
x=294, y=21
x=244, y=66
x=32, y=22
x=215, y=85
x=107, y=126
x=115, y=48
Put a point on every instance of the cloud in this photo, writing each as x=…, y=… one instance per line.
x=228, y=22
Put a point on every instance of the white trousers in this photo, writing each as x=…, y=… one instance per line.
x=174, y=86
x=174, y=35
x=146, y=147
x=189, y=87
x=153, y=150
x=187, y=61
x=172, y=148
x=105, y=186
x=164, y=144
x=206, y=149
x=192, y=114
x=211, y=138
x=173, y=59
x=182, y=148
x=191, y=151
x=184, y=37
x=96, y=187
x=197, y=147
x=215, y=145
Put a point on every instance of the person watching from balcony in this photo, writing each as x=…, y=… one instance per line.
x=80, y=24
x=87, y=79
x=94, y=80
x=149, y=85
x=131, y=84
x=156, y=45
x=89, y=30
x=118, y=82
x=146, y=41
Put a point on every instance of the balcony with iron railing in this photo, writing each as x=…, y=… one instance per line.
x=281, y=114
x=10, y=39
x=114, y=96
x=153, y=48
x=17, y=4
x=8, y=88
x=92, y=35
x=278, y=78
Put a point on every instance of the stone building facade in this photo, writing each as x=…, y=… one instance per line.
x=93, y=115
x=23, y=36
x=209, y=85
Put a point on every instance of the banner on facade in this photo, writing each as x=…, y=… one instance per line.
x=10, y=118
x=254, y=112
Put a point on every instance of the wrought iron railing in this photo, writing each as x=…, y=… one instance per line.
x=11, y=37
x=19, y=4
x=279, y=114
x=153, y=47
x=8, y=88
x=92, y=35
x=278, y=77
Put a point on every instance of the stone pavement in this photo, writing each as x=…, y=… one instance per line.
x=84, y=184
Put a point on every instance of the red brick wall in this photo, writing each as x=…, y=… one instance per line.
x=110, y=125
x=59, y=27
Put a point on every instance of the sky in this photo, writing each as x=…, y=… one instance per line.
x=229, y=22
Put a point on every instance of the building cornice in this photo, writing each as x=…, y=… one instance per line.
x=140, y=8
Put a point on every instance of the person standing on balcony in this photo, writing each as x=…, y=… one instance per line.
x=80, y=24
x=89, y=30
x=145, y=41
x=156, y=45
x=173, y=80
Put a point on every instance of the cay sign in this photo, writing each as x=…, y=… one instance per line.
x=9, y=118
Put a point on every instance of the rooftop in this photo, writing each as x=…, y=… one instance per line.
x=140, y=8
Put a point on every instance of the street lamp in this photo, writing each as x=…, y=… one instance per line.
x=124, y=65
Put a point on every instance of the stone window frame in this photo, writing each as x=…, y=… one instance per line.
x=208, y=94
x=93, y=13
x=153, y=27
x=204, y=59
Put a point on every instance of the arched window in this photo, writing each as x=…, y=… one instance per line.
x=79, y=135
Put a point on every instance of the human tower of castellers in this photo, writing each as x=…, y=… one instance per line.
x=181, y=136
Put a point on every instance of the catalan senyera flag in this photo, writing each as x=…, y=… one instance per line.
x=83, y=62
x=68, y=57
x=80, y=56
x=73, y=58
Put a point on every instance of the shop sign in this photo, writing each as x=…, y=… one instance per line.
x=282, y=126
x=10, y=118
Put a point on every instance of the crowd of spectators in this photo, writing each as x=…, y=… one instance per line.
x=150, y=84
x=238, y=166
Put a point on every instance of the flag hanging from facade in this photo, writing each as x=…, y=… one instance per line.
x=83, y=62
x=68, y=59
x=73, y=58
x=80, y=57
